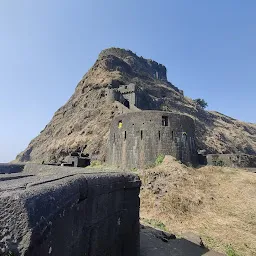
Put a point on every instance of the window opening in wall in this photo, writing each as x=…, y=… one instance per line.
x=164, y=120
x=120, y=124
x=124, y=135
x=172, y=135
x=159, y=135
x=141, y=134
x=184, y=135
x=114, y=137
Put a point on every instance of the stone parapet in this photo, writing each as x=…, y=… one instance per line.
x=52, y=210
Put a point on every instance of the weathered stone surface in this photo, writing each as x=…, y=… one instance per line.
x=145, y=135
x=232, y=160
x=152, y=244
x=49, y=210
x=192, y=237
x=11, y=168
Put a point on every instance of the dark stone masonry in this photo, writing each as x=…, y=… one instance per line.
x=232, y=160
x=131, y=95
x=137, y=139
x=51, y=210
x=11, y=168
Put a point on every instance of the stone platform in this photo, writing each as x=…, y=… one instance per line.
x=49, y=210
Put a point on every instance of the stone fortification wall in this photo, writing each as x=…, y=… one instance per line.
x=137, y=139
x=129, y=93
x=61, y=211
x=232, y=160
x=132, y=95
x=11, y=168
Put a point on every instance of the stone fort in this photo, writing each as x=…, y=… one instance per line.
x=131, y=96
x=136, y=139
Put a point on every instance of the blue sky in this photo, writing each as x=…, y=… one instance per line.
x=46, y=46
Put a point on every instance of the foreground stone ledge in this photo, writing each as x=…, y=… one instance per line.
x=49, y=210
x=11, y=168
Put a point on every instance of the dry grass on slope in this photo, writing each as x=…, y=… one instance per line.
x=217, y=203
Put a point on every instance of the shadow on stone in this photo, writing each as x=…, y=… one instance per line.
x=154, y=242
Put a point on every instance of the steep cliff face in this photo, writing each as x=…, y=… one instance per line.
x=85, y=119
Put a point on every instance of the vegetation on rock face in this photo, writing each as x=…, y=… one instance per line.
x=201, y=102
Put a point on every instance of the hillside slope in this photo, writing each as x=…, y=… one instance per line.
x=216, y=203
x=84, y=120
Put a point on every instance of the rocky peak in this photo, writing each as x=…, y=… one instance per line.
x=131, y=62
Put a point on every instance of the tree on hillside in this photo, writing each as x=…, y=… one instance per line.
x=201, y=102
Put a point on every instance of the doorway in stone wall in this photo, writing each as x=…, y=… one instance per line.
x=127, y=103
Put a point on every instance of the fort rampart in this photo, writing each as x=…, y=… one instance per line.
x=136, y=139
x=232, y=160
x=11, y=168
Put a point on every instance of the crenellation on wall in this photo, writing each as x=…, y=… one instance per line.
x=147, y=137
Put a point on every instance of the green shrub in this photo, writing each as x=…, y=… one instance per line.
x=95, y=163
x=156, y=224
x=230, y=251
x=201, y=102
x=218, y=163
x=159, y=159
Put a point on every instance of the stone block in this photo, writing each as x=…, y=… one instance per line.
x=53, y=210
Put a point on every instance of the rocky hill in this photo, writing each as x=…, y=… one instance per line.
x=84, y=120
